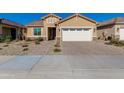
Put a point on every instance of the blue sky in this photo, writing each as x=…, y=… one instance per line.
x=25, y=18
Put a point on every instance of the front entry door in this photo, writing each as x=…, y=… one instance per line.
x=13, y=33
x=51, y=33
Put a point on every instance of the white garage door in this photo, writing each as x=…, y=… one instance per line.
x=121, y=34
x=76, y=34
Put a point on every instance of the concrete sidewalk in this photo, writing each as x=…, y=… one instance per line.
x=62, y=66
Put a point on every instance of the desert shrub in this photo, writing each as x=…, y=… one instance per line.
x=24, y=45
x=28, y=39
x=8, y=38
x=57, y=45
x=120, y=43
x=37, y=41
x=40, y=39
x=109, y=38
x=25, y=49
x=5, y=45
x=98, y=38
x=116, y=42
x=2, y=38
x=57, y=50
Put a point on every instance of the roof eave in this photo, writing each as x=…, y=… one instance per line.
x=77, y=15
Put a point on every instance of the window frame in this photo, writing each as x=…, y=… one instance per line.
x=37, y=31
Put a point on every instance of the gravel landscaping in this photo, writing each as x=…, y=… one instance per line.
x=26, y=48
x=67, y=48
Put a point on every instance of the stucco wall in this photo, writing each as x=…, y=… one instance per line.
x=107, y=32
x=30, y=32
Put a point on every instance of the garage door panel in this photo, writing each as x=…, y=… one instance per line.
x=121, y=34
x=77, y=35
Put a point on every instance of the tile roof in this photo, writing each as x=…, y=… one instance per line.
x=36, y=23
x=51, y=14
x=112, y=21
x=11, y=23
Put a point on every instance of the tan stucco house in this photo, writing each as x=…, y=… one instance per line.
x=10, y=28
x=73, y=28
x=113, y=28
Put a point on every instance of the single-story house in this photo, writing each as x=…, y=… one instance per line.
x=10, y=28
x=113, y=28
x=73, y=28
x=44, y=28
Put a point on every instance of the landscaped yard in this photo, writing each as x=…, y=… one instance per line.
x=67, y=48
x=116, y=42
x=27, y=47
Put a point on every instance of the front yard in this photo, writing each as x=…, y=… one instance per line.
x=27, y=48
x=66, y=48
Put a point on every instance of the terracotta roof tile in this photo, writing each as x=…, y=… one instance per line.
x=11, y=23
x=36, y=23
x=112, y=21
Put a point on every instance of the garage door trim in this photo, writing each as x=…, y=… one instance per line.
x=84, y=38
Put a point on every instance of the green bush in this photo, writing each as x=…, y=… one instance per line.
x=37, y=41
x=116, y=42
x=8, y=38
x=2, y=38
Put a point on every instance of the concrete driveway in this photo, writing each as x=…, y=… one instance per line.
x=90, y=48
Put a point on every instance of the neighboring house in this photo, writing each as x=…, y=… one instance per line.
x=73, y=28
x=10, y=28
x=111, y=29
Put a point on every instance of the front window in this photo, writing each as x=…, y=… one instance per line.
x=37, y=31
